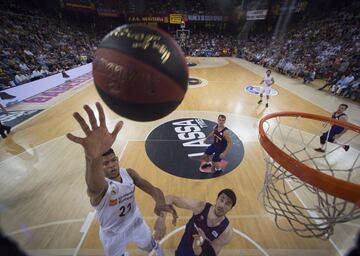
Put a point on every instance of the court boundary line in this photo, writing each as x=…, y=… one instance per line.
x=241, y=234
x=44, y=225
x=311, y=213
x=84, y=229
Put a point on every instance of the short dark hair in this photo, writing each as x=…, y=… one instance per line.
x=230, y=194
x=345, y=105
x=110, y=151
x=222, y=116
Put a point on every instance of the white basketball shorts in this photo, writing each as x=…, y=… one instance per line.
x=115, y=243
x=266, y=90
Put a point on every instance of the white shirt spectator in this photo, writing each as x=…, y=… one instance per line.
x=44, y=72
x=36, y=74
x=24, y=67
x=28, y=53
x=19, y=79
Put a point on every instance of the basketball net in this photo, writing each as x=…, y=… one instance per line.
x=309, y=192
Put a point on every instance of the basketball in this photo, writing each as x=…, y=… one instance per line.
x=140, y=72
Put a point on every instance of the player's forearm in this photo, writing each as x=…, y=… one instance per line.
x=177, y=201
x=227, y=149
x=158, y=196
x=229, y=145
x=209, y=135
x=94, y=175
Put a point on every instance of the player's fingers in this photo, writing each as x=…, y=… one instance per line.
x=117, y=128
x=91, y=115
x=74, y=138
x=101, y=114
x=173, y=212
x=170, y=208
x=82, y=123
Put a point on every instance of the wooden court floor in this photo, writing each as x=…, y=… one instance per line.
x=43, y=201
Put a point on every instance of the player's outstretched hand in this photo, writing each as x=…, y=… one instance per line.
x=97, y=139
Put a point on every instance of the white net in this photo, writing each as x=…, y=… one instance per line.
x=297, y=205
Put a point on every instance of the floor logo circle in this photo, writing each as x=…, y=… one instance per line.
x=176, y=147
x=256, y=89
x=191, y=64
x=195, y=82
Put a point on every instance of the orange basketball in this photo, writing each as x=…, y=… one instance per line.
x=140, y=72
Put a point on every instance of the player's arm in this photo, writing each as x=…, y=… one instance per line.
x=154, y=192
x=211, y=134
x=194, y=205
x=95, y=180
x=223, y=240
x=345, y=119
x=272, y=81
x=229, y=143
x=97, y=140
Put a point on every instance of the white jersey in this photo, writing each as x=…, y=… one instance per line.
x=268, y=80
x=118, y=210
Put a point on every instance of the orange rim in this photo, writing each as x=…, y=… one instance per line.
x=333, y=186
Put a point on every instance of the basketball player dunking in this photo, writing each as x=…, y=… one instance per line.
x=111, y=190
x=220, y=147
x=335, y=131
x=268, y=81
x=208, y=230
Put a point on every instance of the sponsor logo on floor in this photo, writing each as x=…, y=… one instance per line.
x=257, y=89
x=177, y=146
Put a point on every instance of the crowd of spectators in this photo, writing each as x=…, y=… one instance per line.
x=328, y=48
x=208, y=44
x=33, y=46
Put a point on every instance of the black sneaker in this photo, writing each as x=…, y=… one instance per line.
x=218, y=171
x=267, y=104
x=3, y=135
x=259, y=101
x=319, y=150
x=346, y=147
x=206, y=165
x=8, y=130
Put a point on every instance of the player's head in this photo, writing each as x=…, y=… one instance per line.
x=268, y=72
x=225, y=201
x=342, y=108
x=110, y=164
x=221, y=119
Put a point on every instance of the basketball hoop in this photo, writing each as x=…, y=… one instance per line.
x=307, y=191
